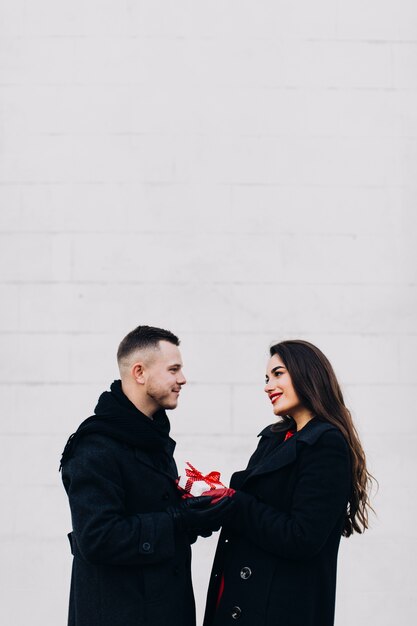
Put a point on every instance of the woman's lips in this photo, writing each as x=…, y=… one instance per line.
x=273, y=397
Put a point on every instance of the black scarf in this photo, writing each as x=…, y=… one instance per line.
x=116, y=417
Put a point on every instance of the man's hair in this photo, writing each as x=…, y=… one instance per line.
x=144, y=337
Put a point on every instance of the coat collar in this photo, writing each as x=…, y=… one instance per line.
x=286, y=452
x=309, y=434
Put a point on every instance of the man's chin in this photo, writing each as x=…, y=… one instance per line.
x=170, y=405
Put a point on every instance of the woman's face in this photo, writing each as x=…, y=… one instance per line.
x=280, y=389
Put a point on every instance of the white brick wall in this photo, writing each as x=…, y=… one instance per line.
x=239, y=172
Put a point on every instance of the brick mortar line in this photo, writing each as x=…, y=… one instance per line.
x=219, y=87
x=199, y=283
x=226, y=39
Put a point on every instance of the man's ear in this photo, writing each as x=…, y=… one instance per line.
x=138, y=373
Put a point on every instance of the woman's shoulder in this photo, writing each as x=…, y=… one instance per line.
x=326, y=439
x=318, y=429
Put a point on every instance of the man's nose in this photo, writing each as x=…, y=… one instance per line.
x=181, y=380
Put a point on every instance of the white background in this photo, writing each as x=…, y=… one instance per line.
x=239, y=172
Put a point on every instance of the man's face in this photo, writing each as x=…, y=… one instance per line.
x=164, y=377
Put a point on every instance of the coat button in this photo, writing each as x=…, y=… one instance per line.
x=236, y=612
x=146, y=546
x=245, y=573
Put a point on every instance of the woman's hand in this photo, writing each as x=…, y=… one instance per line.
x=219, y=494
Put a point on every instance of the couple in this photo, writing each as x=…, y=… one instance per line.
x=305, y=486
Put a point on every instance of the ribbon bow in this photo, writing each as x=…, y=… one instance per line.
x=212, y=479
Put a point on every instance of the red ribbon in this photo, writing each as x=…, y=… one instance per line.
x=193, y=475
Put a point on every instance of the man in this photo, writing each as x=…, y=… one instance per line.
x=131, y=529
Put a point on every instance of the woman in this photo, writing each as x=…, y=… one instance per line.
x=305, y=486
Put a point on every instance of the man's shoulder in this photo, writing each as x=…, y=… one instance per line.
x=98, y=445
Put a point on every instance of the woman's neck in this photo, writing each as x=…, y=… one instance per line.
x=301, y=418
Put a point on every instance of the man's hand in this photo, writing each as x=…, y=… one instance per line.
x=201, y=514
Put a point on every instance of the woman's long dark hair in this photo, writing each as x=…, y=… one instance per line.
x=316, y=385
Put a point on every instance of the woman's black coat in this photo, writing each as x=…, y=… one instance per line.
x=130, y=568
x=278, y=554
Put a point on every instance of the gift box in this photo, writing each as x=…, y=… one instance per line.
x=194, y=483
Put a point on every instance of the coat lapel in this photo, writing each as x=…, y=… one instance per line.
x=285, y=452
x=171, y=472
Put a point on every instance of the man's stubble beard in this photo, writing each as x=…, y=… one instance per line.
x=162, y=400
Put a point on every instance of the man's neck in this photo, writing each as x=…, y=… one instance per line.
x=144, y=407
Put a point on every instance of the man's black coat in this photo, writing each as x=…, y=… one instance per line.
x=130, y=567
x=278, y=555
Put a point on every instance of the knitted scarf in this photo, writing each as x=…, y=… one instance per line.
x=116, y=417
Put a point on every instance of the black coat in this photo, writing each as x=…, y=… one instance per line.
x=278, y=555
x=130, y=567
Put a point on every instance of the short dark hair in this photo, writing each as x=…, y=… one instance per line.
x=144, y=337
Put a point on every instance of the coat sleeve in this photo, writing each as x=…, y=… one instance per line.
x=104, y=533
x=319, y=500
